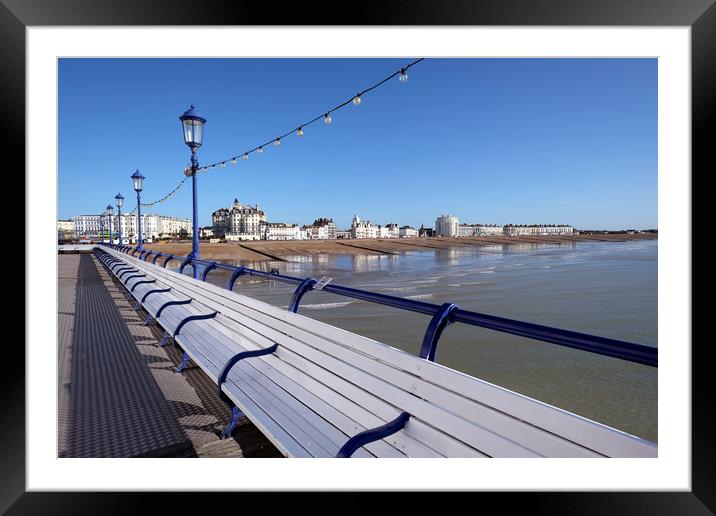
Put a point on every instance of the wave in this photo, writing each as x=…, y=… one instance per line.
x=321, y=306
x=419, y=296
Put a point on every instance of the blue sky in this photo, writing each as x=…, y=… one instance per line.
x=567, y=141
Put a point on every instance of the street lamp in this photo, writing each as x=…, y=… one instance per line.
x=193, y=128
x=138, y=180
x=101, y=226
x=110, y=212
x=120, y=200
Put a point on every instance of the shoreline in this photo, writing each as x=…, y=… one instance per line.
x=281, y=250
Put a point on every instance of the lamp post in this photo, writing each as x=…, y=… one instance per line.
x=138, y=180
x=101, y=226
x=110, y=212
x=193, y=128
x=120, y=200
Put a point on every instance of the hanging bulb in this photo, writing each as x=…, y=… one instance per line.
x=246, y=156
x=260, y=150
x=327, y=118
x=403, y=76
x=277, y=142
x=233, y=161
x=356, y=100
x=223, y=164
x=300, y=131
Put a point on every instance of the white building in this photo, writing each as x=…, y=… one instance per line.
x=280, y=231
x=364, y=228
x=488, y=230
x=447, y=225
x=240, y=222
x=321, y=229
x=466, y=230
x=65, y=226
x=390, y=231
x=407, y=232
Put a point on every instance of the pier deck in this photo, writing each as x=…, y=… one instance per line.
x=118, y=393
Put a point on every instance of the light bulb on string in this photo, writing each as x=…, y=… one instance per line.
x=356, y=100
x=327, y=118
x=299, y=132
x=403, y=76
x=277, y=142
x=246, y=156
x=223, y=164
x=260, y=150
x=233, y=161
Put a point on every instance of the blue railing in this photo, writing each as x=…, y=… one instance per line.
x=442, y=315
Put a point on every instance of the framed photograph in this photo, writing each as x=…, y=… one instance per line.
x=509, y=169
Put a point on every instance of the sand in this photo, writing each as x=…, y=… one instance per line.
x=243, y=252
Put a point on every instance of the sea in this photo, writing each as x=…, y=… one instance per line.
x=601, y=288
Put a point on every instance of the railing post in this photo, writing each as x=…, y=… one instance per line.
x=238, y=272
x=304, y=287
x=435, y=329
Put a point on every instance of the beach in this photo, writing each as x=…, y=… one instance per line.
x=256, y=251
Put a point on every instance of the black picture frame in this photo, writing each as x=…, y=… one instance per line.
x=16, y=15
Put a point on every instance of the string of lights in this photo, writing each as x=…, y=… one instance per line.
x=298, y=131
x=326, y=116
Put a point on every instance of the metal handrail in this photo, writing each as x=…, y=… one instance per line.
x=638, y=353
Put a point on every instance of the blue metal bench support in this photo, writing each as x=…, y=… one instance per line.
x=235, y=413
x=171, y=303
x=122, y=269
x=134, y=251
x=147, y=255
x=124, y=272
x=373, y=434
x=238, y=272
x=304, y=287
x=184, y=361
x=165, y=339
x=167, y=260
x=138, y=304
x=185, y=357
x=198, y=317
x=142, y=283
x=156, y=257
x=155, y=291
x=186, y=262
x=435, y=329
x=207, y=270
x=134, y=276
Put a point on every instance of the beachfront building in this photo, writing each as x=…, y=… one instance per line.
x=280, y=231
x=220, y=222
x=321, y=229
x=447, y=225
x=466, y=230
x=390, y=231
x=407, y=232
x=364, y=228
x=424, y=232
x=153, y=227
x=537, y=229
x=87, y=225
x=343, y=234
x=240, y=222
x=488, y=230
x=206, y=232
x=516, y=230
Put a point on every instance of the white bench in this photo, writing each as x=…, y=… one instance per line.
x=320, y=385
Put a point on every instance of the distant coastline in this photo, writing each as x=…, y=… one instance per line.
x=253, y=251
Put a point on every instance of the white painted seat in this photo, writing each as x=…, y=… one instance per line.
x=324, y=385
